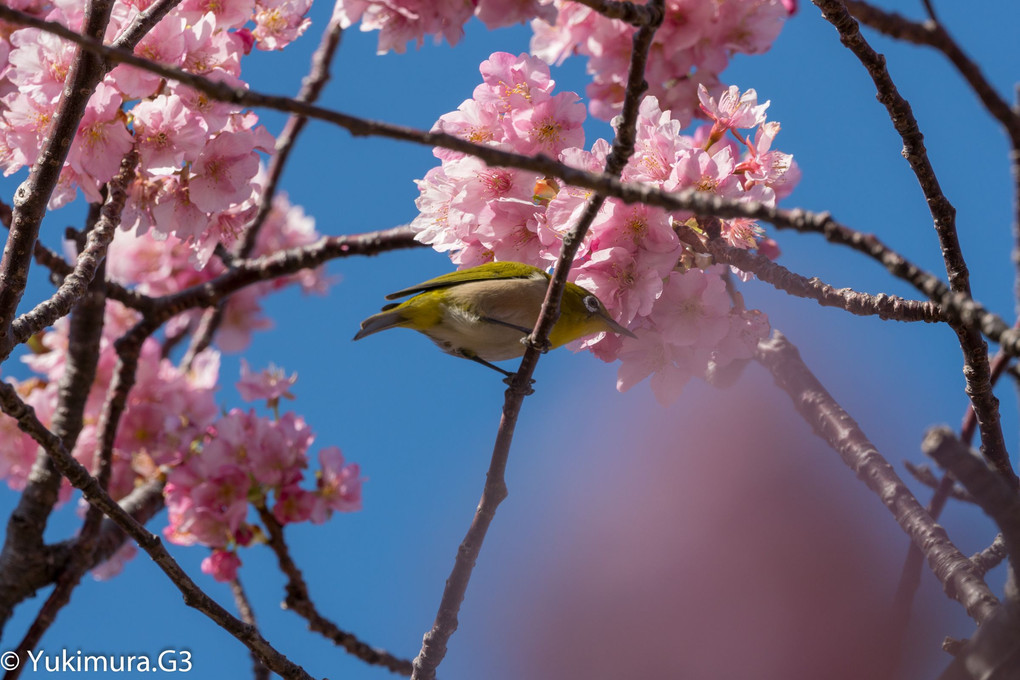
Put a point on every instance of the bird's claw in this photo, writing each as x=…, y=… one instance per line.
x=530, y=341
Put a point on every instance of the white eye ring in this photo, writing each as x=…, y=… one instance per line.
x=591, y=303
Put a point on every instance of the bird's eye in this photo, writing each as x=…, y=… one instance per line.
x=591, y=303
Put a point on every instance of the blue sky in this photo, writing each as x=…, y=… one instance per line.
x=587, y=461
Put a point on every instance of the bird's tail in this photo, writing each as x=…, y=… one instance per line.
x=389, y=317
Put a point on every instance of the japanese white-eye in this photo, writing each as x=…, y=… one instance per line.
x=485, y=312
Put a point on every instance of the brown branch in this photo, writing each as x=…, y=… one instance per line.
x=977, y=373
x=434, y=644
x=889, y=307
x=89, y=259
x=990, y=557
x=194, y=596
x=299, y=601
x=635, y=15
x=24, y=544
x=84, y=337
x=841, y=432
x=932, y=34
x=998, y=500
x=282, y=263
x=945, y=488
x=144, y=22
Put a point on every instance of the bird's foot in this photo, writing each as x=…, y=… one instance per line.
x=528, y=391
x=530, y=341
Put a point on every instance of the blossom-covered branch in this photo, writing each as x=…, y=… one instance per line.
x=194, y=596
x=33, y=195
x=841, y=432
x=311, y=88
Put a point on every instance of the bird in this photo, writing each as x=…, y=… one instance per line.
x=485, y=313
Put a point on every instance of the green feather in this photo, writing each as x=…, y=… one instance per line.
x=486, y=272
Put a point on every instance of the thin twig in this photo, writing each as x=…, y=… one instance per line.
x=434, y=644
x=990, y=557
x=835, y=426
x=926, y=476
x=301, y=603
x=244, y=609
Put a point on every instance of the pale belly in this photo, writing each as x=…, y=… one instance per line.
x=465, y=329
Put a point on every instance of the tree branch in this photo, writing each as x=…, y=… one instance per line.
x=301, y=603
x=889, y=307
x=932, y=34
x=89, y=259
x=977, y=373
x=838, y=429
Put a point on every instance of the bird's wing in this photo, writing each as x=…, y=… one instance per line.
x=506, y=270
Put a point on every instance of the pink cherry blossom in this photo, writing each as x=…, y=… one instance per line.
x=338, y=486
x=294, y=504
x=279, y=22
x=223, y=172
x=637, y=259
x=102, y=139
x=270, y=383
x=226, y=13
x=222, y=565
x=734, y=109
x=167, y=133
x=164, y=44
x=690, y=49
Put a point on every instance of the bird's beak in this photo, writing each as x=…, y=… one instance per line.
x=615, y=327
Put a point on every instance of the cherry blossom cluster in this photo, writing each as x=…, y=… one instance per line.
x=647, y=265
x=245, y=459
x=402, y=21
x=691, y=48
x=198, y=158
x=157, y=266
x=215, y=466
